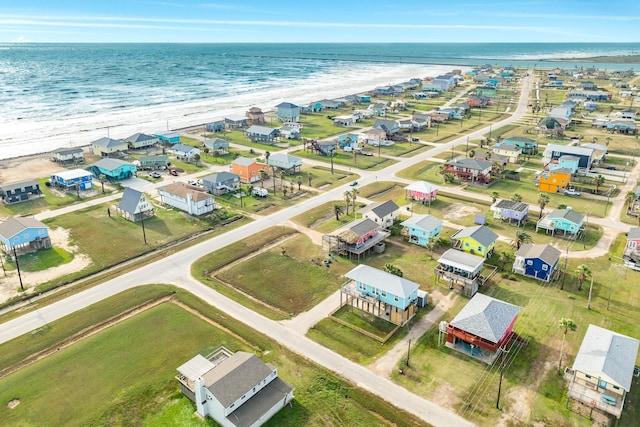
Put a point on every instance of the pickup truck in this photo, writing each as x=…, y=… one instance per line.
x=571, y=192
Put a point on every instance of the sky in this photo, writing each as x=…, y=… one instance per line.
x=275, y=21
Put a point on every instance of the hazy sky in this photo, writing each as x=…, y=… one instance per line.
x=319, y=21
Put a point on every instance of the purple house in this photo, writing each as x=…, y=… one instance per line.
x=508, y=210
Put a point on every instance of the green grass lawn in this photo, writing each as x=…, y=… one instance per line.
x=264, y=205
x=44, y=258
x=323, y=218
x=424, y=171
x=341, y=158
x=95, y=382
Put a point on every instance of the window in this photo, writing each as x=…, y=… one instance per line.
x=545, y=267
x=384, y=293
x=529, y=262
x=479, y=248
x=396, y=298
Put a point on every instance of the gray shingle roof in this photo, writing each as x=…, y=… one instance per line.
x=634, y=233
x=608, y=355
x=221, y=177
x=261, y=130
x=425, y=222
x=382, y=280
x=381, y=209
x=130, y=199
x=15, y=225
x=139, y=137
x=471, y=163
x=63, y=150
x=568, y=214
x=111, y=164
x=486, y=317
x=545, y=252
x=244, y=161
x=481, y=233
x=286, y=105
x=363, y=226
x=108, y=142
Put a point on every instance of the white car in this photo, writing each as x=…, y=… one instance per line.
x=571, y=192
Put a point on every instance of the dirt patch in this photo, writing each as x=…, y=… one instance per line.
x=457, y=211
x=13, y=403
x=28, y=168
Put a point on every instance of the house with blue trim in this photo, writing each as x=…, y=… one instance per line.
x=528, y=145
x=236, y=121
x=539, y=261
x=113, y=169
x=215, y=127
x=23, y=233
x=70, y=178
x=20, y=191
x=478, y=239
x=382, y=294
x=221, y=182
x=257, y=133
x=421, y=229
x=168, y=137
x=564, y=221
x=555, y=151
x=288, y=112
x=566, y=162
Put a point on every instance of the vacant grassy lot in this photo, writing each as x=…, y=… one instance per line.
x=347, y=159
x=137, y=386
x=44, y=258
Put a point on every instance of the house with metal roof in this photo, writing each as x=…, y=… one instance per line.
x=113, y=169
x=285, y=162
x=528, y=145
x=421, y=229
x=69, y=179
x=221, y=182
x=288, y=112
x=478, y=239
x=24, y=233
x=218, y=145
x=565, y=161
x=357, y=238
x=20, y=191
x=258, y=133
x=188, y=198
x=462, y=269
x=421, y=191
x=382, y=294
x=185, y=152
x=234, y=389
x=483, y=328
x=154, y=162
x=106, y=147
x=555, y=151
x=235, y=121
x=138, y=141
x=512, y=153
x=67, y=155
x=554, y=179
x=539, y=261
x=603, y=371
x=134, y=205
x=509, y=210
x=168, y=137
x=562, y=221
x=383, y=213
x=247, y=169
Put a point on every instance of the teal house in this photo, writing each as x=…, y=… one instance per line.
x=169, y=137
x=420, y=229
x=113, y=169
x=566, y=161
x=24, y=233
x=562, y=221
x=528, y=145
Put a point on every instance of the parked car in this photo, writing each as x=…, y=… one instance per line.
x=155, y=174
x=173, y=172
x=354, y=183
x=260, y=192
x=571, y=192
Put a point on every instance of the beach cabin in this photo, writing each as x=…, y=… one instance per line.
x=508, y=211
x=187, y=198
x=24, y=234
x=380, y=294
x=290, y=131
x=134, y=205
x=357, y=238
x=421, y=191
x=106, y=147
x=483, y=328
x=590, y=105
x=255, y=116
x=554, y=180
x=552, y=125
x=383, y=213
x=138, y=141
x=470, y=170
x=168, y=137
x=235, y=121
x=562, y=221
x=374, y=137
x=511, y=152
x=234, y=389
x=247, y=169
x=421, y=229
x=478, y=239
x=489, y=91
x=185, y=152
x=462, y=269
x=113, y=169
x=76, y=179
x=285, y=162
x=215, y=127
x=257, y=133
x=20, y=191
x=379, y=109
x=67, y=155
x=527, y=145
x=217, y=145
x=222, y=182
x=539, y=261
x=154, y=162
x=603, y=370
x=288, y=112
x=391, y=127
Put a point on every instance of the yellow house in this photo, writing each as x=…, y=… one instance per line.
x=104, y=147
x=554, y=180
x=511, y=152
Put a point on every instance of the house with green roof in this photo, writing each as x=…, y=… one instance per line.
x=477, y=240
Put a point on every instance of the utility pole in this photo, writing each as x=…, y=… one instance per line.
x=15, y=255
x=330, y=153
x=610, y=289
x=409, y=352
x=502, y=363
x=590, y=289
x=144, y=234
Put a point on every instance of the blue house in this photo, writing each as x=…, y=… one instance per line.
x=567, y=162
x=364, y=98
x=537, y=261
x=421, y=229
x=528, y=145
x=69, y=179
x=20, y=232
x=169, y=137
x=382, y=294
x=288, y=112
x=555, y=151
x=113, y=169
x=215, y=127
x=261, y=133
x=20, y=191
x=566, y=221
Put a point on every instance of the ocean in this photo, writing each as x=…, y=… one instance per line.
x=62, y=95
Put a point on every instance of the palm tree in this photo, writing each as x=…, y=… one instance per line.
x=309, y=176
x=598, y=181
x=522, y=238
x=284, y=192
x=299, y=182
x=354, y=196
x=516, y=197
x=347, y=198
x=390, y=268
x=494, y=196
x=567, y=325
x=263, y=175
x=337, y=210
x=282, y=176
x=196, y=159
x=102, y=178
x=250, y=189
x=629, y=198
x=543, y=199
x=503, y=259
x=583, y=272
x=266, y=156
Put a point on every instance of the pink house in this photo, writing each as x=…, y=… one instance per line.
x=421, y=191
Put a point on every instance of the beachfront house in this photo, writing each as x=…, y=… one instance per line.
x=380, y=294
x=554, y=180
x=72, y=180
x=187, y=198
x=20, y=191
x=483, y=328
x=185, y=152
x=217, y=145
x=539, y=261
x=472, y=170
x=134, y=205
x=383, y=213
x=247, y=169
x=603, y=371
x=215, y=127
x=106, y=147
x=527, y=145
x=255, y=116
x=421, y=229
x=264, y=134
x=67, y=155
x=288, y=112
x=24, y=234
x=138, y=141
x=222, y=182
x=235, y=121
x=285, y=162
x=508, y=210
x=168, y=137
x=357, y=238
x=154, y=162
x=113, y=169
x=234, y=389
x=462, y=269
x=421, y=191
x=478, y=239
x=562, y=221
